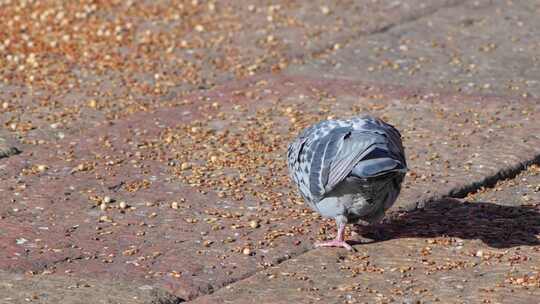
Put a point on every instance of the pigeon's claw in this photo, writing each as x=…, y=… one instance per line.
x=334, y=243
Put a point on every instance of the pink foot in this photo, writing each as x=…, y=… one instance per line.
x=334, y=243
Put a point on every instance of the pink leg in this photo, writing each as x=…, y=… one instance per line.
x=338, y=241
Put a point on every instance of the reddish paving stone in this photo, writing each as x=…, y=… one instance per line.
x=479, y=47
x=235, y=139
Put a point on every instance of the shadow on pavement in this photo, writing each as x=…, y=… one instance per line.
x=496, y=225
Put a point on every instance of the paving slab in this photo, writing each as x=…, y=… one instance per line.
x=481, y=47
x=17, y=288
x=485, y=249
x=198, y=193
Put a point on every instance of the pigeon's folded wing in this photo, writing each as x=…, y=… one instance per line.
x=365, y=154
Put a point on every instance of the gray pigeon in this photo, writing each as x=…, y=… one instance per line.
x=349, y=170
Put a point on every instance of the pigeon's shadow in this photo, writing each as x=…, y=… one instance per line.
x=496, y=225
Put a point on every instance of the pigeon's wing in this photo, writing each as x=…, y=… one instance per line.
x=300, y=155
x=324, y=152
x=306, y=157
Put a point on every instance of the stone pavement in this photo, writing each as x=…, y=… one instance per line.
x=153, y=139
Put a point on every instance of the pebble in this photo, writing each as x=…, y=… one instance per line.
x=325, y=10
x=122, y=205
x=246, y=251
x=105, y=218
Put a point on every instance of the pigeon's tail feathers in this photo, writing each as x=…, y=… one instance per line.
x=367, y=154
x=378, y=162
x=353, y=147
x=380, y=158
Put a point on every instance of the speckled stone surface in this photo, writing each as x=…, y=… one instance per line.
x=153, y=137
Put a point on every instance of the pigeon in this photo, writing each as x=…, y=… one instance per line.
x=350, y=170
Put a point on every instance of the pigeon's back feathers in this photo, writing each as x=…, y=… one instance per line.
x=325, y=154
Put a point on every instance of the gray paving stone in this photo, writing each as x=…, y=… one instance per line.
x=19, y=288
x=481, y=47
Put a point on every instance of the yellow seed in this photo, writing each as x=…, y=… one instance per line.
x=246, y=251
x=325, y=10
x=107, y=199
x=105, y=218
x=42, y=168
x=130, y=252
x=92, y=103
x=103, y=207
x=174, y=205
x=199, y=28
x=122, y=205
x=253, y=224
x=185, y=166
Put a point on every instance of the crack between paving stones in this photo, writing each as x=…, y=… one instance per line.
x=274, y=262
x=68, y=259
x=491, y=180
